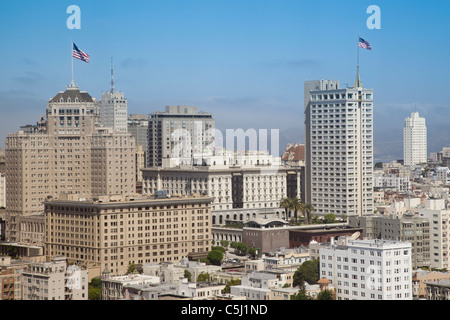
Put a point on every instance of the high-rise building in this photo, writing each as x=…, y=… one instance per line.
x=69, y=152
x=181, y=132
x=414, y=140
x=339, y=148
x=113, y=108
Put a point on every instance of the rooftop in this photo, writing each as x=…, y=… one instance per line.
x=72, y=94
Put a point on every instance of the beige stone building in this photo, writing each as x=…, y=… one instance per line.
x=421, y=277
x=112, y=232
x=68, y=151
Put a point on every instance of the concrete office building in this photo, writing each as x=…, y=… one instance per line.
x=112, y=232
x=179, y=131
x=113, y=108
x=439, y=217
x=414, y=140
x=69, y=152
x=339, y=148
x=368, y=269
x=407, y=227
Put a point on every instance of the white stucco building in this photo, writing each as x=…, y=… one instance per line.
x=368, y=269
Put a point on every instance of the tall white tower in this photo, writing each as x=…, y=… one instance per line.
x=414, y=140
x=339, y=148
x=114, y=108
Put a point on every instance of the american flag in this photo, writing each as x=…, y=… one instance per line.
x=364, y=44
x=77, y=53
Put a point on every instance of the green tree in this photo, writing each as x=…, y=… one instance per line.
x=301, y=295
x=215, y=257
x=230, y=283
x=329, y=218
x=285, y=203
x=203, y=277
x=239, y=247
x=224, y=243
x=252, y=251
x=378, y=165
x=325, y=295
x=219, y=248
x=296, y=205
x=307, y=272
x=308, y=210
x=131, y=268
x=95, y=289
x=242, y=248
x=187, y=275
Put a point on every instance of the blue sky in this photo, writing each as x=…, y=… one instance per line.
x=244, y=61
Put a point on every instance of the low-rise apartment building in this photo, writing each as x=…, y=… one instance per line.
x=55, y=280
x=368, y=269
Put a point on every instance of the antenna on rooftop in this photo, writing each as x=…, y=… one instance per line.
x=112, y=76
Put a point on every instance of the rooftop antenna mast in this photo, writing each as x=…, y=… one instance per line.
x=112, y=76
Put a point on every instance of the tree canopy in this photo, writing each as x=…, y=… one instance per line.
x=307, y=272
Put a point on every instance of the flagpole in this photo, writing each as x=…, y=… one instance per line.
x=357, y=46
x=71, y=57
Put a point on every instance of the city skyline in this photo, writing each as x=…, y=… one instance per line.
x=231, y=58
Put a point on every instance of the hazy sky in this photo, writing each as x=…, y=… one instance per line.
x=245, y=61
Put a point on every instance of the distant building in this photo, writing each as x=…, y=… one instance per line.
x=10, y=278
x=266, y=234
x=113, y=108
x=113, y=231
x=438, y=290
x=173, y=272
x=392, y=182
x=439, y=219
x=114, y=288
x=414, y=140
x=303, y=235
x=407, y=227
x=138, y=127
x=294, y=155
x=368, y=269
x=265, y=285
x=54, y=280
x=243, y=185
x=200, y=290
x=421, y=277
x=179, y=131
x=2, y=190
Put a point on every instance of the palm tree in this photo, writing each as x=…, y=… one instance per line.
x=308, y=209
x=296, y=205
x=285, y=203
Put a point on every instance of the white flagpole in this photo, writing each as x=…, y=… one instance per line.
x=72, y=84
